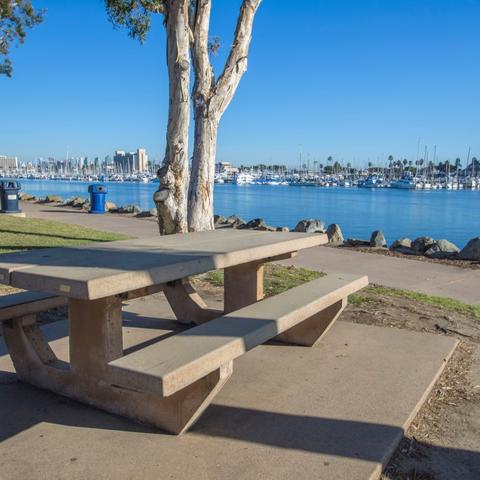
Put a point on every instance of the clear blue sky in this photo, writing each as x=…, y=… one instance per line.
x=355, y=79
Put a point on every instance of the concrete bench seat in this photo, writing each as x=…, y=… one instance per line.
x=21, y=304
x=299, y=316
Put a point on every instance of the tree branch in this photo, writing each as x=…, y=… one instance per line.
x=201, y=61
x=236, y=64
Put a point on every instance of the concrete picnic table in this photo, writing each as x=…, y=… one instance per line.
x=97, y=278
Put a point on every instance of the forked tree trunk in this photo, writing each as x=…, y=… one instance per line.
x=200, y=197
x=211, y=99
x=171, y=196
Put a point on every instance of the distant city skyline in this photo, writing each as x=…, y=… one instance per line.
x=357, y=81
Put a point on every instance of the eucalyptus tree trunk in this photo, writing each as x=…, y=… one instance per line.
x=210, y=100
x=172, y=194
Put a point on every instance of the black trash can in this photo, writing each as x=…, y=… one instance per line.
x=9, y=196
x=97, y=192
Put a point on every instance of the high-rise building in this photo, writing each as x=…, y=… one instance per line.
x=129, y=162
x=141, y=160
x=8, y=163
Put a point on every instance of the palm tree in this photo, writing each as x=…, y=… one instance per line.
x=458, y=164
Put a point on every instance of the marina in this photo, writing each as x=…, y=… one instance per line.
x=439, y=213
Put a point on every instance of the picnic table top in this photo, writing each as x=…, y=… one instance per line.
x=100, y=270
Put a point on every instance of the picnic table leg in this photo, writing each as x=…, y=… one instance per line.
x=34, y=360
x=187, y=305
x=95, y=334
x=310, y=331
x=243, y=285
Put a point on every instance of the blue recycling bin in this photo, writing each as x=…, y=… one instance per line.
x=97, y=192
x=9, y=196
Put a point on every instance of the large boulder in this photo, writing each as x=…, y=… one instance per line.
x=282, y=229
x=131, y=209
x=442, y=249
x=53, y=199
x=110, y=207
x=219, y=220
x=26, y=197
x=403, y=242
x=471, y=251
x=378, y=240
x=421, y=244
x=76, y=202
x=145, y=213
x=310, y=226
x=334, y=233
x=237, y=222
x=256, y=223
x=234, y=219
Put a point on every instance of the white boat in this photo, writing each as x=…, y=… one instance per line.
x=243, y=179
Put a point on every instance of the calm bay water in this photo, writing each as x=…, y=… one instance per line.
x=454, y=215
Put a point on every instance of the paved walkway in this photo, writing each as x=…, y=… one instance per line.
x=425, y=277
x=431, y=278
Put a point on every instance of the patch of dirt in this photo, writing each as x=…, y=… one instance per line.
x=392, y=311
x=443, y=441
x=475, y=265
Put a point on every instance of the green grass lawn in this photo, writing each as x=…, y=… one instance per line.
x=28, y=233
x=279, y=279
x=449, y=304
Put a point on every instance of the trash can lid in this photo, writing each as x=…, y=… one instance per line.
x=97, y=188
x=4, y=184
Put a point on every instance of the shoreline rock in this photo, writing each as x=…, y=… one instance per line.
x=377, y=240
x=335, y=235
x=471, y=251
x=310, y=226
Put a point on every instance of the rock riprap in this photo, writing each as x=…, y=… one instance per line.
x=310, y=226
x=334, y=234
x=421, y=244
x=442, y=249
x=471, y=251
x=377, y=240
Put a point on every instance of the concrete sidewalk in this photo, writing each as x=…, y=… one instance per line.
x=335, y=411
x=425, y=277
x=430, y=278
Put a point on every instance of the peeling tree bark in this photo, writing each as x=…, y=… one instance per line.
x=171, y=196
x=210, y=100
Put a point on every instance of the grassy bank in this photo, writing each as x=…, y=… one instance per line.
x=279, y=279
x=29, y=233
x=448, y=304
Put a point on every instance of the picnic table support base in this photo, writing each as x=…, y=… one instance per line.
x=187, y=305
x=94, y=341
x=310, y=331
x=33, y=359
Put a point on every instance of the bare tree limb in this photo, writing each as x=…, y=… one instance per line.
x=236, y=64
x=204, y=77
